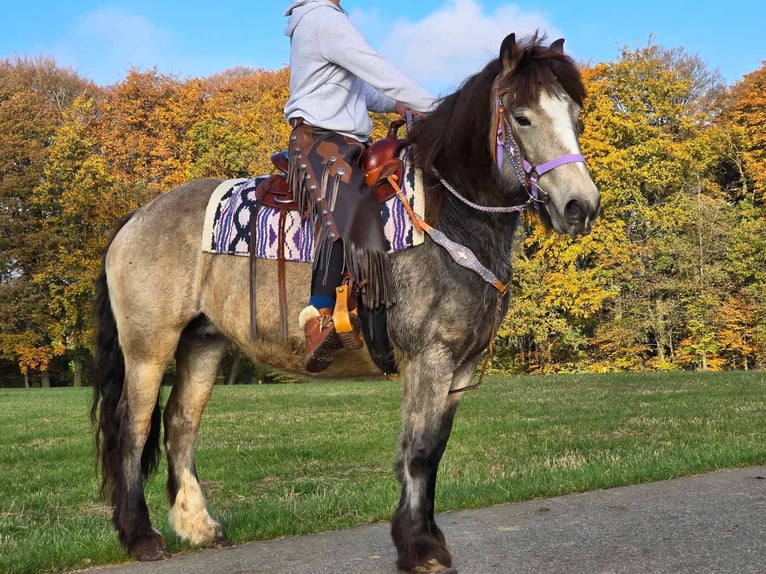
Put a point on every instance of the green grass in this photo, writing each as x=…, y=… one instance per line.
x=292, y=459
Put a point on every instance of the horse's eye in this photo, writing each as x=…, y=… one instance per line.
x=522, y=120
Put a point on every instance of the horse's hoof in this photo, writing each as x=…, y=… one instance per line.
x=153, y=556
x=218, y=542
x=150, y=555
x=149, y=551
x=433, y=566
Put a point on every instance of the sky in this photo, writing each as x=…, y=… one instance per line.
x=437, y=42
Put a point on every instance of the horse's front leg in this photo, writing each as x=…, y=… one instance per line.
x=428, y=411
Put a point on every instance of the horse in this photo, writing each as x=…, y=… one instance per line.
x=503, y=142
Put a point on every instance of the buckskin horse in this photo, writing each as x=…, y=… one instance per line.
x=504, y=141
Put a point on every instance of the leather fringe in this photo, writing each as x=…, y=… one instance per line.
x=300, y=182
x=371, y=270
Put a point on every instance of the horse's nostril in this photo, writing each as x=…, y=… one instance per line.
x=575, y=211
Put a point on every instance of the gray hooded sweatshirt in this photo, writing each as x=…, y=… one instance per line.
x=336, y=77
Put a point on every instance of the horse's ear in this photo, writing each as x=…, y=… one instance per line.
x=510, y=53
x=558, y=45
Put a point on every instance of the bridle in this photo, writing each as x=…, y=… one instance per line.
x=506, y=147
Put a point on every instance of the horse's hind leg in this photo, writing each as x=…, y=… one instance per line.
x=427, y=413
x=138, y=414
x=197, y=360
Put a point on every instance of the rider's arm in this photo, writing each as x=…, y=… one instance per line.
x=342, y=43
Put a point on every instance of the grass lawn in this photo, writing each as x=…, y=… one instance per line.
x=290, y=459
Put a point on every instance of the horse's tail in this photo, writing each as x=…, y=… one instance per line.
x=108, y=381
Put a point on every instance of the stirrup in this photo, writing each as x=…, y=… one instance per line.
x=348, y=325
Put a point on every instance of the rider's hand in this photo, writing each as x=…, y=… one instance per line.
x=402, y=110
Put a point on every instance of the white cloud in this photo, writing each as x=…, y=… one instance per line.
x=457, y=40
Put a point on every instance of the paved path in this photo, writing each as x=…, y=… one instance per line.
x=711, y=523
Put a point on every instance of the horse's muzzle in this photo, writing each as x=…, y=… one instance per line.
x=579, y=214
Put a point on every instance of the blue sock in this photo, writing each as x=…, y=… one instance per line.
x=322, y=301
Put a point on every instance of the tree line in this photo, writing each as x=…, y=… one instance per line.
x=672, y=277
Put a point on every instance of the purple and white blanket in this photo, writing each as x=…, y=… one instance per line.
x=227, y=221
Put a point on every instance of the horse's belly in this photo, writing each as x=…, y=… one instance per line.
x=225, y=301
x=288, y=357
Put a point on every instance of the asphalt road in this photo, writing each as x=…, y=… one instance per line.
x=711, y=523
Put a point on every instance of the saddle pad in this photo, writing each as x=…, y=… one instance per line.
x=227, y=221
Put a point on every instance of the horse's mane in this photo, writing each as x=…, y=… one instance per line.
x=454, y=139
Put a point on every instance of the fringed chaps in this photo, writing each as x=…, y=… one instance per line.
x=326, y=178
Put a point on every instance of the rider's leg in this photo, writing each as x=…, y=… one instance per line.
x=316, y=319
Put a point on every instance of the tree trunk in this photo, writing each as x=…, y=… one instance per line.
x=672, y=350
x=78, y=372
x=26, y=379
x=235, y=368
x=45, y=380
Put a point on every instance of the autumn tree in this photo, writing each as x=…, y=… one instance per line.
x=646, y=123
x=561, y=287
x=33, y=96
x=742, y=135
x=748, y=112
x=143, y=130
x=80, y=201
x=242, y=125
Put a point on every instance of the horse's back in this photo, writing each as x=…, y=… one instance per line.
x=180, y=211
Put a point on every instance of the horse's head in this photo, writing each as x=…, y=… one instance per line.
x=537, y=100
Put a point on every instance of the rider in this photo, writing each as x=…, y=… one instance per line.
x=335, y=79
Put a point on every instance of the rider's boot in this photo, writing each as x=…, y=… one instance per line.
x=321, y=339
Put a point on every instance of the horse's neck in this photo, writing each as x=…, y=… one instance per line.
x=488, y=235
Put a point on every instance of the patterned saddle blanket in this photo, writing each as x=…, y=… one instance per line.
x=227, y=221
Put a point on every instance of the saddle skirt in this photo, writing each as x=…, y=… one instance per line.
x=227, y=220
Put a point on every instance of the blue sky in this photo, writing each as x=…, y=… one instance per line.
x=437, y=42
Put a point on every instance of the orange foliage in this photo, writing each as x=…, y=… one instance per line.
x=749, y=112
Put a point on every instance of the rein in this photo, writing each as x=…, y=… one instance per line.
x=484, y=208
